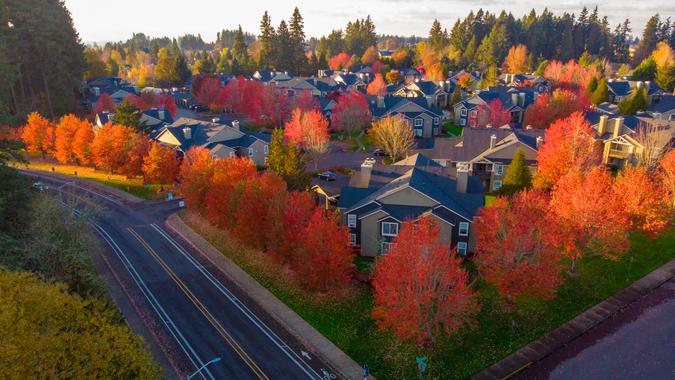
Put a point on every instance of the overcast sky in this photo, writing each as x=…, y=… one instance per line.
x=99, y=21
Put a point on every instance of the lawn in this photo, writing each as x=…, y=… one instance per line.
x=132, y=186
x=452, y=129
x=497, y=333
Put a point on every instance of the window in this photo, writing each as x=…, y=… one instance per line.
x=418, y=132
x=462, y=112
x=496, y=185
x=419, y=122
x=351, y=220
x=231, y=154
x=352, y=240
x=463, y=229
x=250, y=152
x=386, y=247
x=389, y=229
x=499, y=169
x=266, y=148
x=436, y=121
x=461, y=248
x=462, y=122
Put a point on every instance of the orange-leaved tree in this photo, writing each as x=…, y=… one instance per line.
x=421, y=290
x=645, y=199
x=196, y=172
x=549, y=108
x=666, y=173
x=309, y=130
x=161, y=165
x=569, y=143
x=516, y=60
x=82, y=142
x=65, y=133
x=340, y=61
x=377, y=86
x=38, y=134
x=518, y=246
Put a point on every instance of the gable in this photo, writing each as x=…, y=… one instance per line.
x=167, y=137
x=509, y=150
x=407, y=196
x=225, y=134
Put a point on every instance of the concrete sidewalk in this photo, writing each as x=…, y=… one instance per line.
x=576, y=327
x=290, y=320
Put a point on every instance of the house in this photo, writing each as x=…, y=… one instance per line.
x=326, y=106
x=410, y=74
x=437, y=93
x=663, y=109
x=540, y=83
x=316, y=86
x=621, y=89
x=385, y=53
x=514, y=99
x=621, y=139
x=221, y=139
x=154, y=119
x=423, y=117
x=353, y=82
x=267, y=76
x=487, y=152
x=475, y=77
x=379, y=198
x=115, y=87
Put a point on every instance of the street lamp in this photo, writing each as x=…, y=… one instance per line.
x=215, y=360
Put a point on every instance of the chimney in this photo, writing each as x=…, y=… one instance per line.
x=97, y=91
x=380, y=101
x=430, y=100
x=514, y=98
x=366, y=172
x=235, y=124
x=521, y=98
x=618, y=122
x=187, y=133
x=540, y=140
x=161, y=114
x=462, y=177
x=493, y=141
x=602, y=126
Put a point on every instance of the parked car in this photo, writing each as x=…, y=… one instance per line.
x=326, y=176
x=40, y=186
x=200, y=108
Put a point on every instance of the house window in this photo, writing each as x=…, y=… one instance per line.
x=461, y=248
x=418, y=132
x=231, y=154
x=386, y=247
x=436, y=121
x=419, y=122
x=497, y=184
x=352, y=240
x=250, y=152
x=463, y=229
x=462, y=112
x=389, y=229
x=351, y=220
x=499, y=169
x=462, y=122
x=266, y=148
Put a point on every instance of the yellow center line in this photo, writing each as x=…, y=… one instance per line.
x=202, y=309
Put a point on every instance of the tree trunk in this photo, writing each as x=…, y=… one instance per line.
x=49, y=97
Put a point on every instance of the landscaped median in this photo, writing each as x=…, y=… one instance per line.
x=348, y=324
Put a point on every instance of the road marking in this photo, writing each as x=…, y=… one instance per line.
x=280, y=343
x=306, y=354
x=200, y=306
x=157, y=307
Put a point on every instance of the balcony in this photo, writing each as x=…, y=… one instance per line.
x=619, y=153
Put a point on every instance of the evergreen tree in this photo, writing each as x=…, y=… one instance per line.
x=518, y=176
x=297, y=31
x=283, y=47
x=267, y=36
x=438, y=38
x=541, y=67
x=295, y=174
x=636, y=102
x=600, y=94
x=646, y=70
x=648, y=41
x=456, y=96
x=592, y=85
x=129, y=115
x=180, y=69
x=277, y=152
x=239, y=49
x=665, y=77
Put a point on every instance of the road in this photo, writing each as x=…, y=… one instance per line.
x=194, y=312
x=636, y=343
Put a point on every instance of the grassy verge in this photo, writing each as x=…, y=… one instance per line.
x=348, y=323
x=133, y=186
x=452, y=128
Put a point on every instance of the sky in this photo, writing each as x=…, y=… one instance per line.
x=101, y=21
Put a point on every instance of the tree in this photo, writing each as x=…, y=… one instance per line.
x=208, y=92
x=494, y=114
x=600, y=95
x=665, y=66
x=370, y=56
x=309, y=130
x=648, y=40
x=591, y=223
x=666, y=173
x=296, y=28
x=38, y=134
x=160, y=165
x=118, y=148
x=65, y=135
x=646, y=70
x=196, y=172
x=377, y=86
x=637, y=101
x=517, y=246
x=393, y=77
x=570, y=144
x=129, y=115
x=491, y=77
x=351, y=112
x=516, y=60
x=549, y=108
x=266, y=37
x=297, y=211
x=518, y=176
x=104, y=103
x=95, y=67
x=359, y=35
x=285, y=160
x=340, y=61
x=69, y=336
x=456, y=96
x=82, y=142
x=438, y=38
x=644, y=199
x=323, y=259
x=421, y=290
x=655, y=142
x=394, y=135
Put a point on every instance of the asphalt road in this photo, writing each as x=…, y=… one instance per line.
x=199, y=313
x=636, y=343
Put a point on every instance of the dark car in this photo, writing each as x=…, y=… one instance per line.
x=326, y=176
x=200, y=108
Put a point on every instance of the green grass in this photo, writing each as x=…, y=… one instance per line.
x=133, y=186
x=497, y=332
x=452, y=129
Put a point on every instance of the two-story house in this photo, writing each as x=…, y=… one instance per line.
x=153, y=119
x=220, y=139
x=379, y=198
x=437, y=93
x=621, y=89
x=514, y=99
x=424, y=117
x=663, y=109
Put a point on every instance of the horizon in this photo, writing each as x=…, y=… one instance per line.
x=391, y=17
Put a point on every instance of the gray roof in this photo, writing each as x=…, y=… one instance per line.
x=664, y=105
x=476, y=141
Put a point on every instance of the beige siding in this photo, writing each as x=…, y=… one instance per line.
x=407, y=197
x=168, y=138
x=370, y=234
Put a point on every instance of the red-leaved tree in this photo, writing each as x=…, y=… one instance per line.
x=309, y=130
x=549, y=108
x=569, y=144
x=161, y=165
x=517, y=246
x=206, y=90
x=494, y=114
x=104, y=103
x=297, y=211
x=420, y=287
x=340, y=61
x=645, y=199
x=196, y=172
x=377, y=86
x=351, y=112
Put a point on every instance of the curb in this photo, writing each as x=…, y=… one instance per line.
x=570, y=330
x=290, y=320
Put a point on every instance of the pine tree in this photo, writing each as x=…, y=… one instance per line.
x=518, y=176
x=277, y=152
x=267, y=35
x=636, y=102
x=648, y=40
x=181, y=69
x=296, y=28
x=239, y=49
x=283, y=47
x=456, y=96
x=438, y=38
x=665, y=77
x=600, y=95
x=646, y=70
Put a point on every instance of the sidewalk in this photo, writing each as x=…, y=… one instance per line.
x=291, y=321
x=576, y=327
